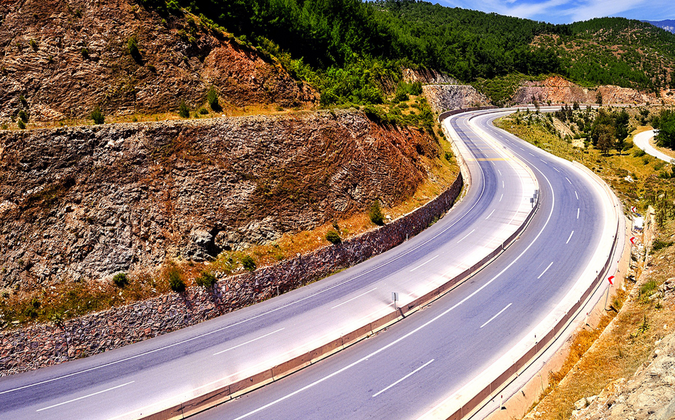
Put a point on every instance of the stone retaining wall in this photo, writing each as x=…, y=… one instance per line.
x=45, y=344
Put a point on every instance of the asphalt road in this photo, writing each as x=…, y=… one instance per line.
x=407, y=370
x=642, y=141
x=399, y=373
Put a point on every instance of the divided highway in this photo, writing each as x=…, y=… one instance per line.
x=402, y=372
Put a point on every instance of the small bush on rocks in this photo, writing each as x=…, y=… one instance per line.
x=375, y=213
x=97, y=116
x=212, y=98
x=120, y=280
x=183, y=110
x=333, y=237
x=132, y=47
x=206, y=279
x=21, y=124
x=248, y=263
x=176, y=282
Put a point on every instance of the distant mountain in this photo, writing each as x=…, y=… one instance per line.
x=668, y=25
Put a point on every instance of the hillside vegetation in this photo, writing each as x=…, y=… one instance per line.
x=352, y=51
x=269, y=53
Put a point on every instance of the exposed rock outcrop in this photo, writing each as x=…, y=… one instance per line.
x=558, y=90
x=86, y=202
x=67, y=57
x=650, y=394
x=428, y=77
x=448, y=97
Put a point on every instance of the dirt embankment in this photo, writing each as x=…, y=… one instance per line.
x=558, y=90
x=86, y=202
x=64, y=58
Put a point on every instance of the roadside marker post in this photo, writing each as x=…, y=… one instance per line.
x=611, y=283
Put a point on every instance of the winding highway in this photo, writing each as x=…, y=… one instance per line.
x=417, y=367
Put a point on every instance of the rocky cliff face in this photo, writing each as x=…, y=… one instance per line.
x=448, y=97
x=86, y=202
x=67, y=57
x=428, y=77
x=558, y=90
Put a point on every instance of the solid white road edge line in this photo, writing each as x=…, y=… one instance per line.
x=498, y=313
x=83, y=397
x=405, y=377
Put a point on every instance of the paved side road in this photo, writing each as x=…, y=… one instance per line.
x=642, y=140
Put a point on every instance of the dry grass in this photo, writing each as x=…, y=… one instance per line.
x=228, y=110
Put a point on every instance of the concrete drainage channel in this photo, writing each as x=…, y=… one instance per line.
x=233, y=390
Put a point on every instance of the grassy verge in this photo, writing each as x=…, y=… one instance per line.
x=625, y=336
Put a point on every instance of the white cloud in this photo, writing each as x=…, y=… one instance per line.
x=572, y=10
x=599, y=8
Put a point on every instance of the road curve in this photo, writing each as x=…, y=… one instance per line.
x=146, y=377
x=642, y=140
x=428, y=364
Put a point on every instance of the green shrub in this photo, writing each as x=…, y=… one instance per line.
x=248, y=263
x=33, y=45
x=375, y=213
x=183, y=110
x=21, y=124
x=206, y=279
x=639, y=153
x=85, y=53
x=176, y=282
x=120, y=280
x=659, y=245
x=97, y=116
x=23, y=115
x=23, y=101
x=374, y=114
x=212, y=98
x=203, y=111
x=333, y=237
x=132, y=47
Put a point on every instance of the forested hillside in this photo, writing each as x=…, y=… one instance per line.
x=353, y=51
x=616, y=51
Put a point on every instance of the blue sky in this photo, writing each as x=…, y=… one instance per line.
x=566, y=11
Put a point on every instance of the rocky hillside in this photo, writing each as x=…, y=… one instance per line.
x=558, y=90
x=61, y=59
x=82, y=203
x=650, y=394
